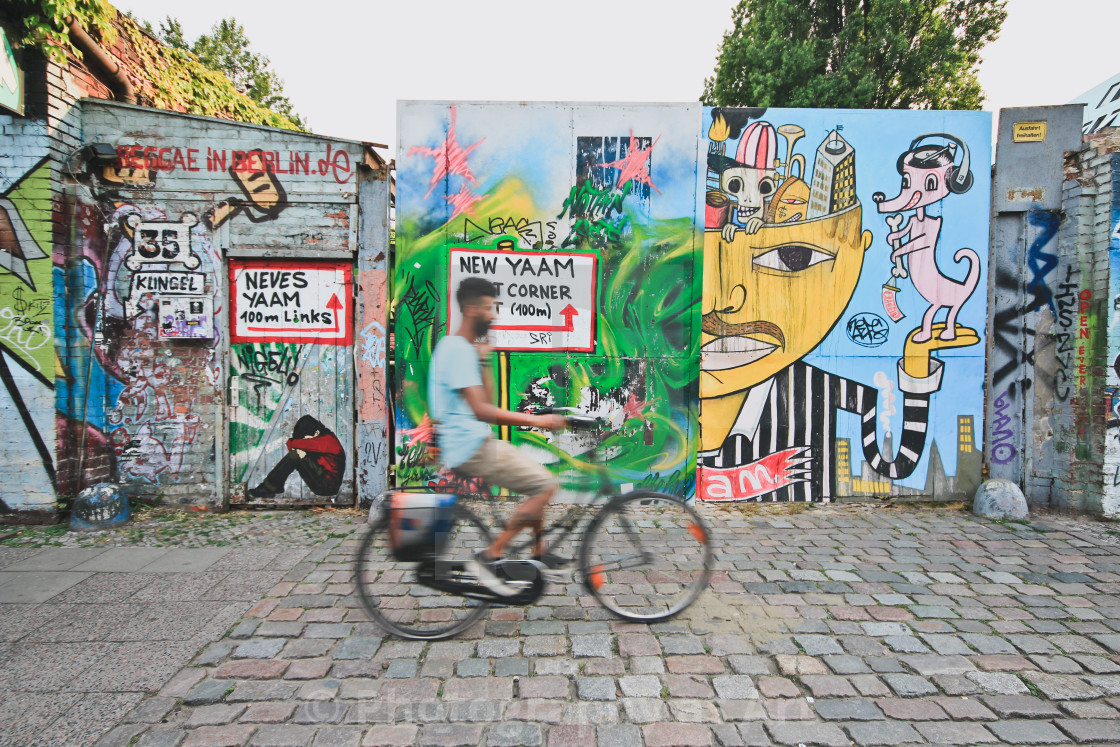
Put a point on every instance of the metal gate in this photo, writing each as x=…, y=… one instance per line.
x=291, y=382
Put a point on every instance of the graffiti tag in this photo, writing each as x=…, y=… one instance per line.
x=868, y=330
x=23, y=333
x=373, y=345
x=1003, y=450
x=1042, y=263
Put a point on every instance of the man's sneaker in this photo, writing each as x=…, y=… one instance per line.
x=482, y=568
x=261, y=491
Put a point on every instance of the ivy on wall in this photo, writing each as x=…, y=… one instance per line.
x=167, y=78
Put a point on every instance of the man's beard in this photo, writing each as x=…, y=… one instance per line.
x=481, y=327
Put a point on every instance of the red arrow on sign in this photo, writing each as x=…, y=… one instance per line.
x=568, y=312
x=335, y=304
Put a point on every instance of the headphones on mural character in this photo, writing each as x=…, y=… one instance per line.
x=960, y=177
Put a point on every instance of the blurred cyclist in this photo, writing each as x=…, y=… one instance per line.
x=461, y=397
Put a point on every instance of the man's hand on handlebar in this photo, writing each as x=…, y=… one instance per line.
x=552, y=422
x=557, y=422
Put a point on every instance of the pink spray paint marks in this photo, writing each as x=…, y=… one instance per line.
x=634, y=165
x=450, y=157
x=463, y=202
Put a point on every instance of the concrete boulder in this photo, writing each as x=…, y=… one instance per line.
x=1000, y=499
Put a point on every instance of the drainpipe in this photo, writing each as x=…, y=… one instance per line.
x=107, y=70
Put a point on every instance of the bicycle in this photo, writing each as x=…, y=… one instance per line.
x=644, y=556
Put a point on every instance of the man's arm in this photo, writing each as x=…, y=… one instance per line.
x=482, y=408
x=487, y=379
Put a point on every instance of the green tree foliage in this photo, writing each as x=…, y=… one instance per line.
x=226, y=50
x=171, y=33
x=873, y=54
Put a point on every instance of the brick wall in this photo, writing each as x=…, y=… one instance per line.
x=1077, y=426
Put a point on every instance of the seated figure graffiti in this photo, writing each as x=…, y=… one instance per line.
x=313, y=451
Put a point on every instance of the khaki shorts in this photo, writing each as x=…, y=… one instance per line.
x=502, y=464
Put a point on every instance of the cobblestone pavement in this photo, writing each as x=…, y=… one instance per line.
x=850, y=624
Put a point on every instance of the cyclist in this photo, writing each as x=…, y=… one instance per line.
x=461, y=397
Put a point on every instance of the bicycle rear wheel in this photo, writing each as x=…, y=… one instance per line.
x=392, y=593
x=646, y=556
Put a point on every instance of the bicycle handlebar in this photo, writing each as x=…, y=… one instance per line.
x=574, y=421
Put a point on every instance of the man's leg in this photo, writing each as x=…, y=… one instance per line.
x=517, y=472
x=499, y=463
x=529, y=515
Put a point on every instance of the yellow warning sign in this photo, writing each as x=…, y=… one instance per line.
x=1028, y=132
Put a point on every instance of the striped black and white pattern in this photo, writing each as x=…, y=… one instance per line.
x=802, y=410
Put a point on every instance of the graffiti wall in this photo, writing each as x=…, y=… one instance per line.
x=27, y=325
x=1048, y=299
x=792, y=302
x=192, y=343
x=1111, y=498
x=844, y=303
x=585, y=217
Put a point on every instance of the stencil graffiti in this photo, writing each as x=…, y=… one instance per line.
x=315, y=452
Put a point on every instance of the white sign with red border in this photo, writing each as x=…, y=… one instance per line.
x=291, y=301
x=546, y=300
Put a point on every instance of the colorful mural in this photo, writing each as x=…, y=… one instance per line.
x=577, y=211
x=136, y=398
x=819, y=227
x=162, y=303
x=769, y=308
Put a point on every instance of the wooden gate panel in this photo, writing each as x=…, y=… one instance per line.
x=291, y=383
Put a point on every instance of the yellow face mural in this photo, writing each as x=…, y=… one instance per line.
x=770, y=297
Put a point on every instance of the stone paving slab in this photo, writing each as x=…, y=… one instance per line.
x=119, y=559
x=839, y=625
x=54, y=559
x=33, y=586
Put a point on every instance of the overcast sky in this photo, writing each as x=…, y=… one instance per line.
x=345, y=64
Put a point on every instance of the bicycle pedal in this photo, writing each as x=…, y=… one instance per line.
x=519, y=572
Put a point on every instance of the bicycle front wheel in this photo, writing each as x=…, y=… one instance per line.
x=404, y=598
x=646, y=556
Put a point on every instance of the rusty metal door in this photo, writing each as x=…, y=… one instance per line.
x=291, y=383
